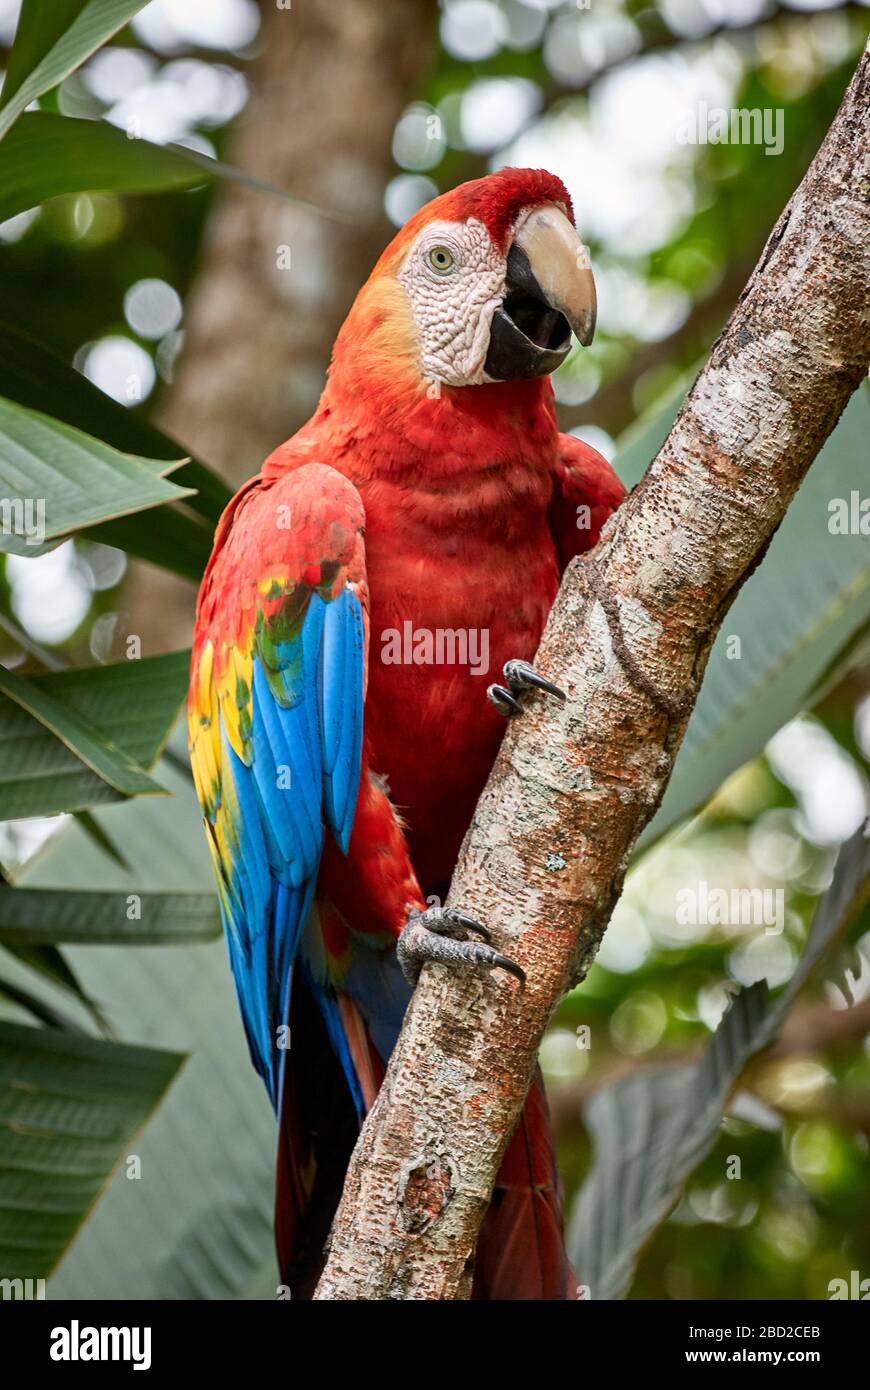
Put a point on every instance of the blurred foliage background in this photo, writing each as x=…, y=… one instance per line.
x=176, y=305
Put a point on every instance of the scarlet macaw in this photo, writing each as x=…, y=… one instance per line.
x=338, y=742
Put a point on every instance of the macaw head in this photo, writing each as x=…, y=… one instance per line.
x=484, y=284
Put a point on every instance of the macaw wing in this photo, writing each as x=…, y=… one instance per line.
x=275, y=723
x=585, y=492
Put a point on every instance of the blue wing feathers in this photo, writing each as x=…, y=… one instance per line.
x=333, y=674
x=276, y=822
x=345, y=782
x=341, y=700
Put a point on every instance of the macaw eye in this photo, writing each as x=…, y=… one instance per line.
x=441, y=260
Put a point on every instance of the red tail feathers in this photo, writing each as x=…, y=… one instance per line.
x=521, y=1251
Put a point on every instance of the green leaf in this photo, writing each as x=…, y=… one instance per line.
x=39, y=28
x=49, y=46
x=202, y=1227
x=47, y=1013
x=48, y=962
x=135, y=703
x=109, y=762
x=162, y=842
x=228, y=1253
x=31, y=374
x=174, y=542
x=69, y=1109
x=55, y=480
x=95, y=832
x=46, y=155
x=41, y=916
x=652, y=1129
x=47, y=659
x=804, y=605
x=128, y=708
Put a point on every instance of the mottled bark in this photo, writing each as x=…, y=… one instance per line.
x=628, y=639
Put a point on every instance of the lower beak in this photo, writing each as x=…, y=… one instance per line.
x=549, y=291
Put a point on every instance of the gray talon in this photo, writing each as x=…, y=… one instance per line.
x=449, y=921
x=503, y=700
x=520, y=676
x=440, y=935
x=461, y=919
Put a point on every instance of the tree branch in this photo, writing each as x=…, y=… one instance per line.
x=628, y=639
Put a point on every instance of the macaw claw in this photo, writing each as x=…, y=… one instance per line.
x=441, y=935
x=504, y=701
x=520, y=676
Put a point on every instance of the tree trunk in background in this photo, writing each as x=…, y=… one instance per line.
x=328, y=84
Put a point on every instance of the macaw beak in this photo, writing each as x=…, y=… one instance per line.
x=549, y=291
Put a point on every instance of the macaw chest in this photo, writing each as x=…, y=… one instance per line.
x=441, y=629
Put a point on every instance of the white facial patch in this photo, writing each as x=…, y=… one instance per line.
x=454, y=278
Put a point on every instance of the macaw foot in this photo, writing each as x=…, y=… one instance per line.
x=520, y=676
x=441, y=935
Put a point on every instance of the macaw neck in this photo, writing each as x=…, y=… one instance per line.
x=399, y=428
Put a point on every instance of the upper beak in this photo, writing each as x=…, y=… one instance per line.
x=559, y=263
x=549, y=291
